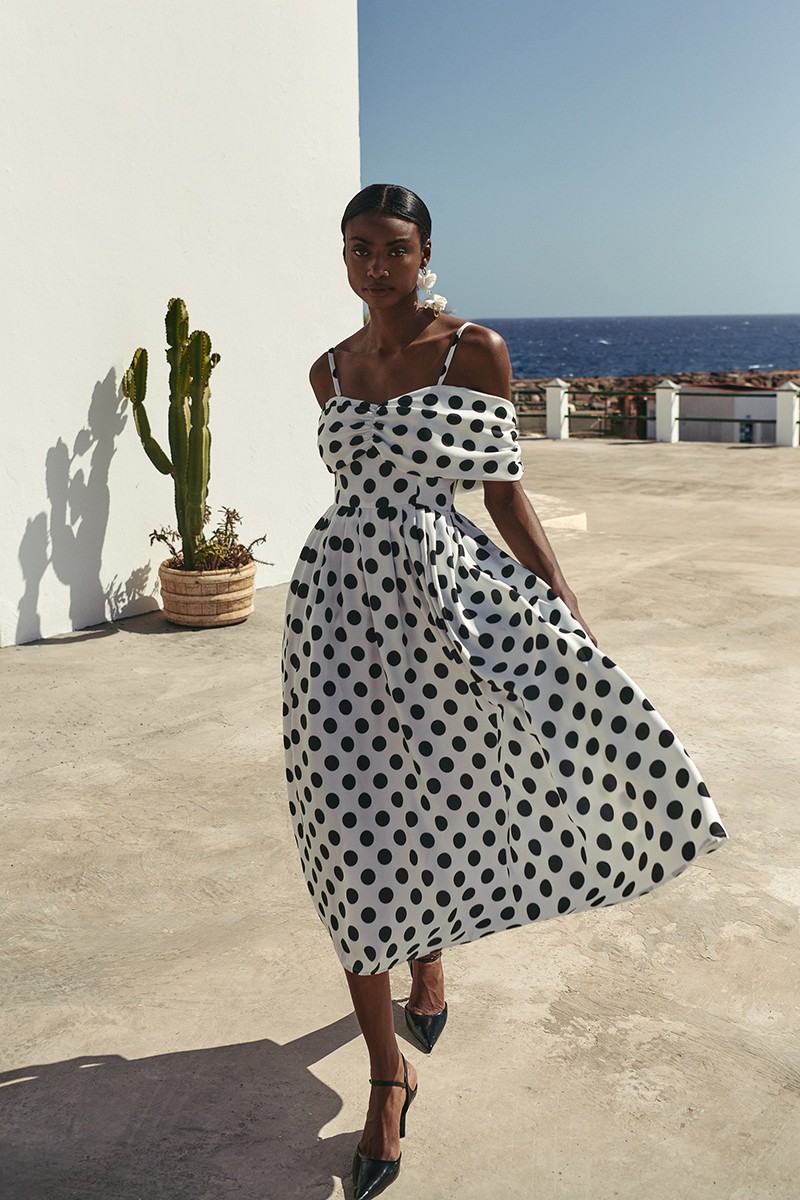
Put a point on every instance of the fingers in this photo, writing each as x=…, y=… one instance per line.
x=585, y=628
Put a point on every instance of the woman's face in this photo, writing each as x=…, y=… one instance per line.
x=383, y=256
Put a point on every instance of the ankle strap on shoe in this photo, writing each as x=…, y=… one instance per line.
x=403, y=1083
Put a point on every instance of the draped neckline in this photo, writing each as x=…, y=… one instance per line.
x=431, y=388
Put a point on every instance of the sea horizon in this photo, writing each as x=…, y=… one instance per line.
x=646, y=317
x=541, y=347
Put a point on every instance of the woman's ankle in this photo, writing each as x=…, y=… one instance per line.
x=426, y=997
x=387, y=1066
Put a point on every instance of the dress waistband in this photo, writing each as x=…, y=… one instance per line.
x=379, y=493
x=387, y=507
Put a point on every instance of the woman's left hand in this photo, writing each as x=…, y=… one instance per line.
x=571, y=601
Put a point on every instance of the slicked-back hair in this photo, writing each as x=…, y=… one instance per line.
x=395, y=201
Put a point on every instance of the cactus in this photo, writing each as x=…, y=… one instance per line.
x=190, y=365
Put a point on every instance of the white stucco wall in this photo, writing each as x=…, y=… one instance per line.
x=149, y=150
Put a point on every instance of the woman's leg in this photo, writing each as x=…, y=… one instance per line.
x=427, y=987
x=372, y=1001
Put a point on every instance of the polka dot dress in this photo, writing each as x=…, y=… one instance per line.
x=460, y=758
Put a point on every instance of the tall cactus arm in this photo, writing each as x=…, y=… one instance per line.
x=177, y=331
x=198, y=470
x=177, y=327
x=134, y=381
x=134, y=387
x=177, y=322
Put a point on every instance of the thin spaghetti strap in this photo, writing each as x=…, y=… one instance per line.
x=452, y=350
x=334, y=373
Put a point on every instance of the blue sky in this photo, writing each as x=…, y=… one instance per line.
x=593, y=157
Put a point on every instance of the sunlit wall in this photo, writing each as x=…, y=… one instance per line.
x=152, y=150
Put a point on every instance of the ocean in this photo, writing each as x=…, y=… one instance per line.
x=544, y=347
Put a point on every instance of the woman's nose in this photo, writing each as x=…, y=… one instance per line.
x=375, y=269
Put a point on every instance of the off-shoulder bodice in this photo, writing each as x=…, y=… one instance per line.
x=423, y=443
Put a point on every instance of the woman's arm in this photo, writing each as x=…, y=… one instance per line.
x=320, y=379
x=517, y=522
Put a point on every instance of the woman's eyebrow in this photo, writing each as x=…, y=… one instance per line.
x=367, y=242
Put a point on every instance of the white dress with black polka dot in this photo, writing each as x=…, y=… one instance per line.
x=460, y=759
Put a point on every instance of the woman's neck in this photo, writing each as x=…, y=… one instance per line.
x=391, y=329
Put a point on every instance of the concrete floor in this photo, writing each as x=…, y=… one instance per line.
x=174, y=1021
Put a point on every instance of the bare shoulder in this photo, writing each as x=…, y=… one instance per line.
x=488, y=340
x=320, y=379
x=353, y=341
x=483, y=361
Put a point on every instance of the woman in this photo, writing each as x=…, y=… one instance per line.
x=460, y=758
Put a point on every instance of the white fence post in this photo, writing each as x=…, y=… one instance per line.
x=557, y=401
x=787, y=410
x=667, y=405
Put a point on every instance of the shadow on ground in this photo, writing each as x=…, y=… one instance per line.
x=239, y=1121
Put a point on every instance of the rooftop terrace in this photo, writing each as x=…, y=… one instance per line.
x=175, y=1023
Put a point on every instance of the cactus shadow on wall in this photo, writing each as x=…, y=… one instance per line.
x=71, y=538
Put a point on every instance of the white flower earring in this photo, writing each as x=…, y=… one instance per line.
x=426, y=281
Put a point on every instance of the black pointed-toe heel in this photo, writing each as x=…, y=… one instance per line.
x=371, y=1176
x=426, y=1027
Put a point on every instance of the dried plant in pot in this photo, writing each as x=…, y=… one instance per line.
x=221, y=588
x=206, y=581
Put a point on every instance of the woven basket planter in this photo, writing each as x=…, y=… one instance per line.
x=207, y=598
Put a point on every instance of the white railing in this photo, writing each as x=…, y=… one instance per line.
x=783, y=404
